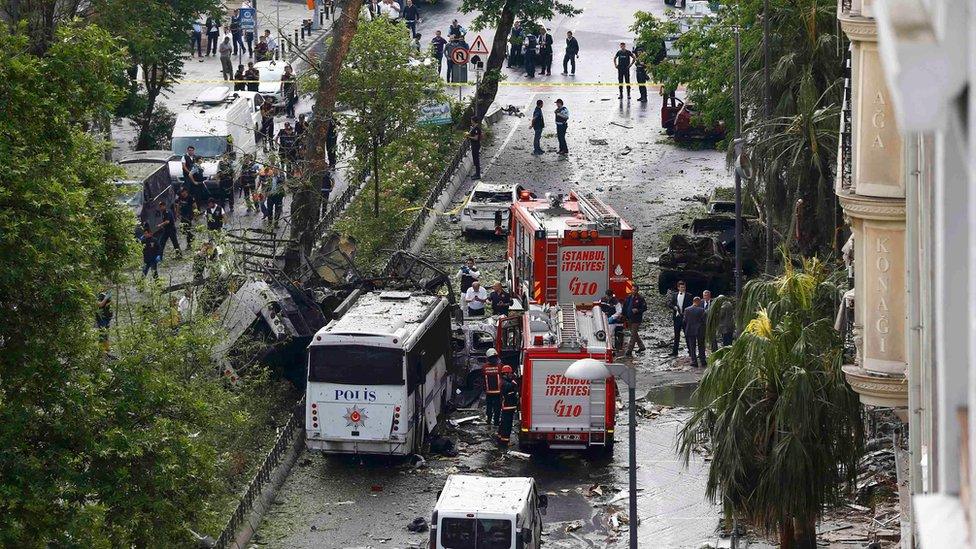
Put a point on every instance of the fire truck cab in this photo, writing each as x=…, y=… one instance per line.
x=568, y=249
x=558, y=412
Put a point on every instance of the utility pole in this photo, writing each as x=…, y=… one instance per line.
x=767, y=113
x=738, y=154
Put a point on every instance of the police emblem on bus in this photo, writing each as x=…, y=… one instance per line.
x=355, y=417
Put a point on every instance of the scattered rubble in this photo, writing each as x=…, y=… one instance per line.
x=418, y=525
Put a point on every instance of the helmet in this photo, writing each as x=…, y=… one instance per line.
x=490, y=353
x=506, y=369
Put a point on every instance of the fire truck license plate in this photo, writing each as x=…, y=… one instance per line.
x=573, y=437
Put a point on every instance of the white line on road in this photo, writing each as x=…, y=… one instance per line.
x=508, y=138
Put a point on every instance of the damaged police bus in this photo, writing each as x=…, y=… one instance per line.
x=378, y=376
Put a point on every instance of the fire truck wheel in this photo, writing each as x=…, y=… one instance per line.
x=526, y=446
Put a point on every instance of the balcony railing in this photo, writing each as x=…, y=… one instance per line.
x=846, y=135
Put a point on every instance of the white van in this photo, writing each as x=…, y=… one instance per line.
x=475, y=512
x=216, y=122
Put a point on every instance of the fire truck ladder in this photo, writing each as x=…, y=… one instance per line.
x=598, y=413
x=552, y=266
x=597, y=211
x=568, y=335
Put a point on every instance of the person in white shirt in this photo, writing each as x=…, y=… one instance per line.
x=678, y=302
x=185, y=306
x=272, y=44
x=475, y=299
x=390, y=9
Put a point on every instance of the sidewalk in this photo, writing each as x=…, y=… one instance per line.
x=204, y=73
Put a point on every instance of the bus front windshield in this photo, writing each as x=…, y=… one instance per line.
x=355, y=365
x=207, y=146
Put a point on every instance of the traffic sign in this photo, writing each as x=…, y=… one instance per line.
x=459, y=56
x=479, y=46
x=249, y=18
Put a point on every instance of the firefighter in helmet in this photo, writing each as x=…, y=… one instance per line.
x=510, y=403
x=493, y=387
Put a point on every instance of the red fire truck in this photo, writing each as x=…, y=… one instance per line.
x=568, y=249
x=556, y=411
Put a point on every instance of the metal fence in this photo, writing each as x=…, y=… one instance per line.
x=286, y=440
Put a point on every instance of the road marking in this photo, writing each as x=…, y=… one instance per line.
x=508, y=138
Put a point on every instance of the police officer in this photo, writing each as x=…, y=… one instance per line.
x=215, y=215
x=248, y=182
x=186, y=203
x=474, y=136
x=286, y=143
x=622, y=60
x=510, y=403
x=641, y=72
x=531, y=42
x=225, y=180
x=167, y=228
x=493, y=387
x=562, y=122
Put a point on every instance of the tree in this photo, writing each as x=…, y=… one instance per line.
x=383, y=82
x=784, y=427
x=156, y=36
x=306, y=200
x=60, y=232
x=94, y=451
x=805, y=95
x=502, y=14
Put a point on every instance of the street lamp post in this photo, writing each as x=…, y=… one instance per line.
x=591, y=369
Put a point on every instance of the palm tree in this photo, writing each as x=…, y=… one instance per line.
x=784, y=427
x=795, y=149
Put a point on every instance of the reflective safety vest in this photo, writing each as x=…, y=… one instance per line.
x=510, y=395
x=493, y=378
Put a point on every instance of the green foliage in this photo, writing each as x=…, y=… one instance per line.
x=794, y=151
x=383, y=81
x=129, y=451
x=155, y=34
x=412, y=163
x=784, y=427
x=156, y=131
x=489, y=12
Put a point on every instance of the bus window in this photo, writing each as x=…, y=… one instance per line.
x=469, y=533
x=457, y=533
x=355, y=365
x=494, y=534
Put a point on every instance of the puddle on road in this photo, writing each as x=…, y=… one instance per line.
x=672, y=395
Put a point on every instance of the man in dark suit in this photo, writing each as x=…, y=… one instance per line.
x=677, y=303
x=694, y=319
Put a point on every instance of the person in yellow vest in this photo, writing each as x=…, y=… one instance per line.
x=493, y=387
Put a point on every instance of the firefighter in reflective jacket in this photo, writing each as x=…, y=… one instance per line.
x=510, y=403
x=493, y=387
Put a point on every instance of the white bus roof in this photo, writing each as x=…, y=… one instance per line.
x=389, y=319
x=477, y=494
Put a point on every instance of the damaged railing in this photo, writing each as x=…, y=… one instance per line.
x=286, y=440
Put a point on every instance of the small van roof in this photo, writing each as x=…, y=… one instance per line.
x=477, y=494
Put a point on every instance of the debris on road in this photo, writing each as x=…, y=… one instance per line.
x=463, y=420
x=518, y=455
x=418, y=525
x=443, y=446
x=621, y=125
x=574, y=525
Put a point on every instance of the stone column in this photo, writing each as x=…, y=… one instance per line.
x=874, y=206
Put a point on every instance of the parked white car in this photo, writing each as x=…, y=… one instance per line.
x=487, y=208
x=269, y=81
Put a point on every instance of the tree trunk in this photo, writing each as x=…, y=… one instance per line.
x=805, y=534
x=305, y=205
x=786, y=535
x=376, y=177
x=154, y=84
x=493, y=67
